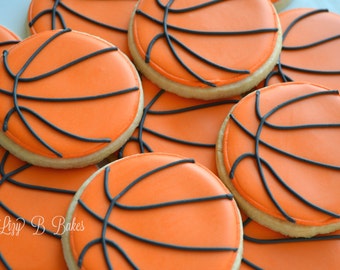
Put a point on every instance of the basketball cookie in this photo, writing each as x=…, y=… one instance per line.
x=278, y=152
x=172, y=124
x=266, y=249
x=106, y=19
x=205, y=49
x=310, y=50
x=7, y=38
x=168, y=212
x=68, y=99
x=34, y=202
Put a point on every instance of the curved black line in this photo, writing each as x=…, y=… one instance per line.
x=4, y=262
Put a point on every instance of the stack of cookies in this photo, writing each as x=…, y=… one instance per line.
x=170, y=135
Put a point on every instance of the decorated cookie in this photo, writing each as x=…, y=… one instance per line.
x=33, y=205
x=281, y=4
x=68, y=99
x=310, y=50
x=278, y=152
x=7, y=38
x=266, y=249
x=205, y=49
x=154, y=211
x=173, y=124
x=106, y=19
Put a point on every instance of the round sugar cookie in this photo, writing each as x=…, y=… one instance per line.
x=278, y=152
x=106, y=19
x=205, y=49
x=68, y=99
x=7, y=38
x=266, y=249
x=310, y=50
x=154, y=211
x=172, y=124
x=34, y=202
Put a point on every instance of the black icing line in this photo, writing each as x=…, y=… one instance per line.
x=310, y=45
x=144, y=146
x=4, y=262
x=163, y=136
x=207, y=33
x=251, y=264
x=57, y=14
x=9, y=42
x=55, y=71
x=70, y=99
x=287, y=240
x=283, y=240
x=173, y=51
x=148, y=111
x=113, y=202
x=54, y=14
x=188, y=9
x=143, y=118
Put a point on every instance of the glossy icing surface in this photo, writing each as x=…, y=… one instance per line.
x=51, y=102
x=173, y=124
x=205, y=43
x=266, y=249
x=310, y=49
x=281, y=151
x=33, y=204
x=106, y=19
x=167, y=212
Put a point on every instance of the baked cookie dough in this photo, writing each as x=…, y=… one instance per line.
x=154, y=211
x=205, y=49
x=278, y=153
x=68, y=99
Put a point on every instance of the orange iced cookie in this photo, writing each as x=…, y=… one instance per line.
x=310, y=50
x=168, y=212
x=7, y=38
x=278, y=152
x=64, y=99
x=34, y=202
x=205, y=49
x=266, y=249
x=106, y=19
x=170, y=123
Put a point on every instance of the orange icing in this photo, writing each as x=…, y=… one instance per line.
x=315, y=183
x=26, y=247
x=198, y=125
x=281, y=252
x=242, y=52
x=106, y=19
x=205, y=224
x=105, y=73
x=7, y=38
x=323, y=57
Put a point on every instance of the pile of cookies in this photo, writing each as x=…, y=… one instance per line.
x=170, y=135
